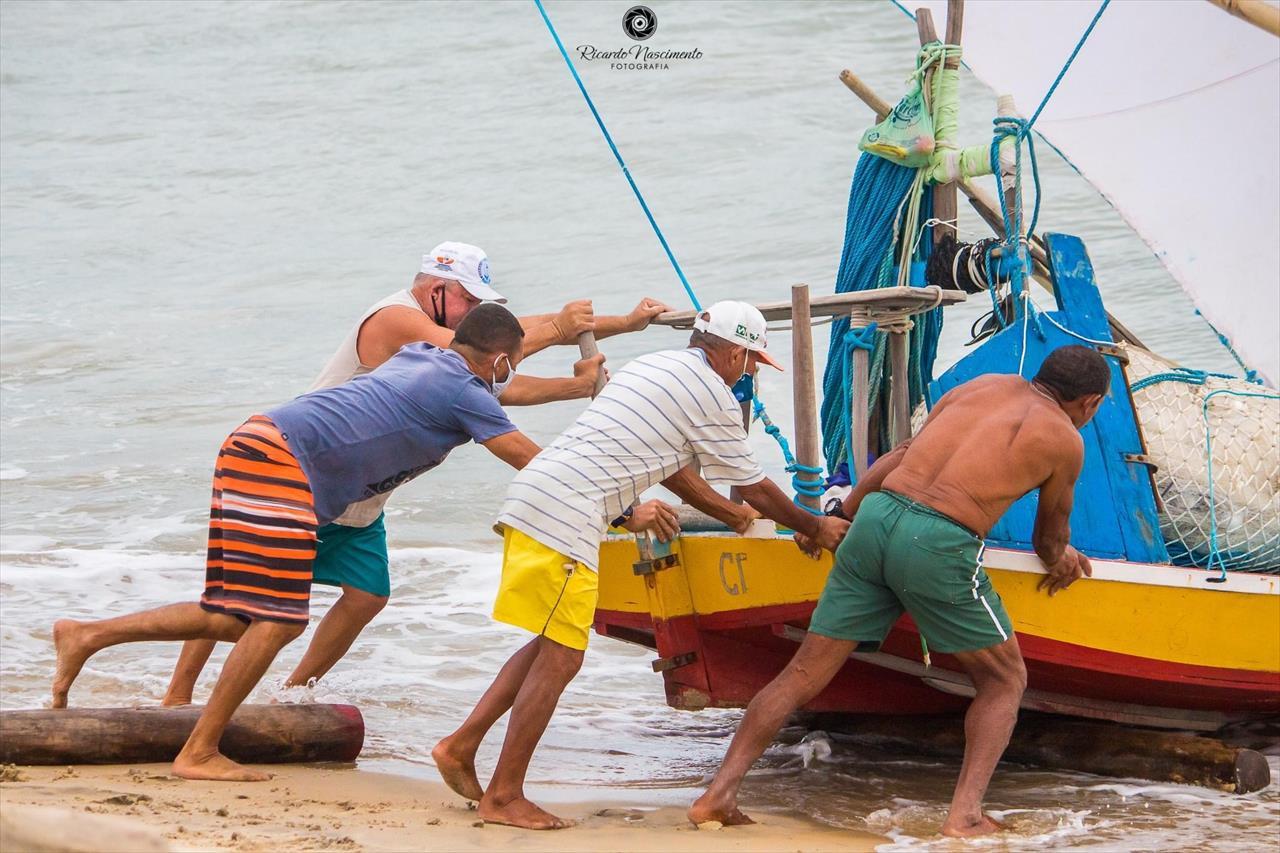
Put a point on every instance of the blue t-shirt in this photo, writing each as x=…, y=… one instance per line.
x=369, y=435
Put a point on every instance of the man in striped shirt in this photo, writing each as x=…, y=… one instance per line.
x=658, y=416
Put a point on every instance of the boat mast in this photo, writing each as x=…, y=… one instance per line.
x=1261, y=14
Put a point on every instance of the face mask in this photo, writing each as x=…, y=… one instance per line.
x=440, y=309
x=498, y=387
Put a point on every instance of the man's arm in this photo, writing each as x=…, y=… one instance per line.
x=697, y=492
x=544, y=330
x=1051, y=537
x=636, y=320
x=514, y=448
x=772, y=502
x=386, y=331
x=534, y=390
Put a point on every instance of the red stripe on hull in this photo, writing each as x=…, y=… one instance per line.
x=739, y=653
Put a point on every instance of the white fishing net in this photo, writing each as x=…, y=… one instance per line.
x=1231, y=427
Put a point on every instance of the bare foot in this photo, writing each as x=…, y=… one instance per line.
x=522, y=813
x=215, y=768
x=171, y=700
x=706, y=809
x=961, y=828
x=459, y=771
x=73, y=650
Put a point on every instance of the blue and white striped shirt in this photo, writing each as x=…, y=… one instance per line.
x=655, y=416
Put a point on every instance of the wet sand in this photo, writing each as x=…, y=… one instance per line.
x=142, y=808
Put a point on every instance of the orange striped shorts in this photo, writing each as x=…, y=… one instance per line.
x=262, y=529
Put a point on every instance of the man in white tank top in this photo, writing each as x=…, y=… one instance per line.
x=352, y=552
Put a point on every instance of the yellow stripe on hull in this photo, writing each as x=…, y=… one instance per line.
x=1195, y=625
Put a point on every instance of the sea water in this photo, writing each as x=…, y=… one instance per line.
x=198, y=199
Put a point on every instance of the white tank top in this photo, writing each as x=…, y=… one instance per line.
x=344, y=366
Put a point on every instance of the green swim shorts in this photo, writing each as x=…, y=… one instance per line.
x=901, y=555
x=353, y=556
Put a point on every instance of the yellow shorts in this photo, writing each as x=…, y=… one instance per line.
x=545, y=592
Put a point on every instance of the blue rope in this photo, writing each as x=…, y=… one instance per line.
x=1063, y=72
x=1012, y=126
x=806, y=479
x=617, y=156
x=1178, y=374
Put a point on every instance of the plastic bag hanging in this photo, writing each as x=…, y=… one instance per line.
x=905, y=137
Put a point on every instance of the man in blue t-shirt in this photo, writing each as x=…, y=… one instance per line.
x=283, y=474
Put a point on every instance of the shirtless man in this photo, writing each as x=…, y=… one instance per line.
x=919, y=518
x=352, y=553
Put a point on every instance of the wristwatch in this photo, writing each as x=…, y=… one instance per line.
x=622, y=519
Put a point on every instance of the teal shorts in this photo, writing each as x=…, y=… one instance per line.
x=353, y=556
x=901, y=555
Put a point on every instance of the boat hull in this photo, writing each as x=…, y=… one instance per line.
x=1137, y=643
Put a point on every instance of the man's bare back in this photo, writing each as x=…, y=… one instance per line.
x=986, y=444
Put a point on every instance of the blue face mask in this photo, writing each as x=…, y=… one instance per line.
x=744, y=389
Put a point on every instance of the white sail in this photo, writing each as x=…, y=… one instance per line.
x=1172, y=110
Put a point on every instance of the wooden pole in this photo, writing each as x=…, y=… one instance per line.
x=257, y=734
x=1261, y=14
x=803, y=394
x=587, y=349
x=899, y=358
x=1062, y=743
x=859, y=405
x=944, y=195
x=856, y=85
x=734, y=494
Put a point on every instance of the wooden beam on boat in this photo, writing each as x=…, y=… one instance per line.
x=982, y=203
x=804, y=396
x=889, y=300
x=1062, y=743
x=944, y=195
x=859, y=411
x=900, y=383
x=587, y=349
x=258, y=734
x=1263, y=15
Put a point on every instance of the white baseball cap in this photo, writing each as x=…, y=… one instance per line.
x=466, y=264
x=738, y=323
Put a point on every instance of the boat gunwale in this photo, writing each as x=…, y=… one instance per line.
x=1117, y=571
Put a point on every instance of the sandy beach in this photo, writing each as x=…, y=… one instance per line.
x=143, y=808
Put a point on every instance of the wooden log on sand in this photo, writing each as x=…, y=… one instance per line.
x=1063, y=743
x=258, y=734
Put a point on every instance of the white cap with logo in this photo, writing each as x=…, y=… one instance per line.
x=466, y=264
x=738, y=323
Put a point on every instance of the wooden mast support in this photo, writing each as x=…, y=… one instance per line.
x=944, y=195
x=899, y=358
x=1261, y=14
x=258, y=734
x=804, y=396
x=859, y=404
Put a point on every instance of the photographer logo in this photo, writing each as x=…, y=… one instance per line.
x=639, y=22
